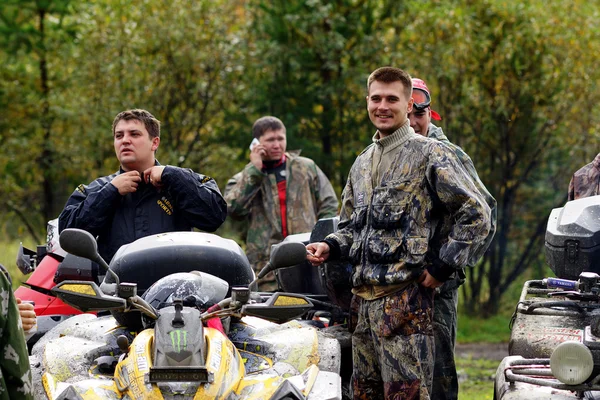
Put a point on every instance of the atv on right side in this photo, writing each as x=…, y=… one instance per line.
x=554, y=348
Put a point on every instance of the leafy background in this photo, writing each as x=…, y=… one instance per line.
x=516, y=84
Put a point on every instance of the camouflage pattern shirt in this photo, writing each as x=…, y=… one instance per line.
x=437, y=133
x=386, y=229
x=586, y=181
x=253, y=194
x=15, y=380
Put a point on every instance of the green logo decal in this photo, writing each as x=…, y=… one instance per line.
x=176, y=337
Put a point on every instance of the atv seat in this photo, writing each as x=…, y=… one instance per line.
x=153, y=257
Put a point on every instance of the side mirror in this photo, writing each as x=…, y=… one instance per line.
x=79, y=242
x=287, y=255
x=284, y=255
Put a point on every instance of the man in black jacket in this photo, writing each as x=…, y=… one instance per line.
x=142, y=198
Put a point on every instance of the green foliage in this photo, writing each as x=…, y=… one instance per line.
x=8, y=256
x=506, y=73
x=514, y=81
x=33, y=36
x=312, y=73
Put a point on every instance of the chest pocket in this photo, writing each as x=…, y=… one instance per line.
x=359, y=217
x=390, y=205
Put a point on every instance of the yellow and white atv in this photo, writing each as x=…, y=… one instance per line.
x=194, y=336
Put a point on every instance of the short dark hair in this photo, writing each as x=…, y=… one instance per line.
x=264, y=124
x=150, y=122
x=389, y=75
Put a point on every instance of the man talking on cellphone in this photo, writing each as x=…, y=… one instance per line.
x=278, y=192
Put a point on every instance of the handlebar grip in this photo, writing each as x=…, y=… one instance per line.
x=561, y=283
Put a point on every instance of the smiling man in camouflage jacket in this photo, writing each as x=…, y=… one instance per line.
x=399, y=189
x=279, y=192
x=445, y=379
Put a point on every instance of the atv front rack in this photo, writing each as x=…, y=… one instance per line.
x=536, y=371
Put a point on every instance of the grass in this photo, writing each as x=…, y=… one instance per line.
x=477, y=375
x=477, y=330
x=479, y=382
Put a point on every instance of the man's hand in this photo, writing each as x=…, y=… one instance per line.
x=127, y=182
x=27, y=314
x=427, y=280
x=256, y=155
x=154, y=176
x=317, y=253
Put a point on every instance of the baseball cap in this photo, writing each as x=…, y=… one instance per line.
x=422, y=97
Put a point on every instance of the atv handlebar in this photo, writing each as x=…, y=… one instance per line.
x=588, y=283
x=557, y=283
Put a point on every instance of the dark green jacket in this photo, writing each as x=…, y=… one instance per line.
x=436, y=132
x=252, y=194
x=586, y=181
x=16, y=381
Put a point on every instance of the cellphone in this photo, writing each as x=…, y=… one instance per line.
x=254, y=143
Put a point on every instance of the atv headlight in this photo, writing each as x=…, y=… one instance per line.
x=571, y=363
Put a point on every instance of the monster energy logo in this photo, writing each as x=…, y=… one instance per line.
x=176, y=337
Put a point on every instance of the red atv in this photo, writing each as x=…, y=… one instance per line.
x=50, y=265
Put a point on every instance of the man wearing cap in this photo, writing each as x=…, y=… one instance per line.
x=445, y=381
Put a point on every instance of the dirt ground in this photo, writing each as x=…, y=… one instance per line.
x=490, y=351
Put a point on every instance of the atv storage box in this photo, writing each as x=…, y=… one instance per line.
x=573, y=238
x=153, y=257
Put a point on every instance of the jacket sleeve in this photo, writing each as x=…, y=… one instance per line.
x=461, y=198
x=241, y=189
x=480, y=250
x=90, y=207
x=196, y=196
x=14, y=359
x=327, y=202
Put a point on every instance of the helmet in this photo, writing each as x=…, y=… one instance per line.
x=196, y=289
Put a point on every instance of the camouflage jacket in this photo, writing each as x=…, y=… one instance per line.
x=586, y=181
x=252, y=194
x=386, y=231
x=15, y=379
x=435, y=132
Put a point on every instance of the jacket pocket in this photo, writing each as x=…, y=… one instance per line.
x=416, y=249
x=359, y=217
x=384, y=249
x=390, y=203
x=355, y=252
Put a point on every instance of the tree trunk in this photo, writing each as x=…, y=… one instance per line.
x=46, y=161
